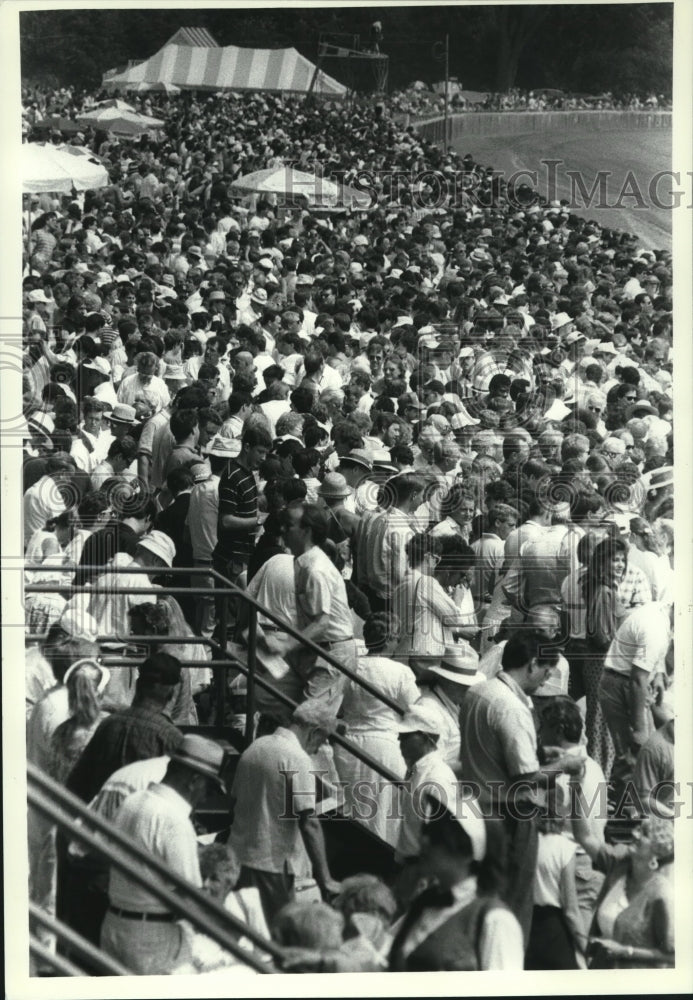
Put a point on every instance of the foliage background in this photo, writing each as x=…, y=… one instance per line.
x=585, y=48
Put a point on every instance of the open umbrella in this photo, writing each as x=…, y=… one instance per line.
x=48, y=168
x=120, y=122
x=161, y=86
x=114, y=102
x=299, y=186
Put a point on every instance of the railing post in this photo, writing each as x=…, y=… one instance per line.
x=220, y=672
x=250, y=696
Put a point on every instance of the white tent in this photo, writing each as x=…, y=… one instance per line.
x=49, y=169
x=229, y=68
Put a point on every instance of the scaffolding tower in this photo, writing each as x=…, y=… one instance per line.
x=363, y=68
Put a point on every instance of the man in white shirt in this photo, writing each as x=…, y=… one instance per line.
x=418, y=741
x=444, y=687
x=322, y=607
x=275, y=833
x=46, y=499
x=91, y=445
x=138, y=929
x=634, y=671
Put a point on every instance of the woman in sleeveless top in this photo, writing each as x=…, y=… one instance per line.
x=633, y=924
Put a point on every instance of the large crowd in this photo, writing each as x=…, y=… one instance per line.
x=433, y=438
x=422, y=101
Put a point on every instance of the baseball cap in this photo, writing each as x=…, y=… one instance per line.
x=420, y=718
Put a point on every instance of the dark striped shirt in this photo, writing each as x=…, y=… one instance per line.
x=237, y=496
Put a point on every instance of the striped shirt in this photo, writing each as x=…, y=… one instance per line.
x=238, y=497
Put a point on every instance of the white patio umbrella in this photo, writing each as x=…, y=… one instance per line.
x=299, y=185
x=113, y=102
x=161, y=86
x=120, y=121
x=47, y=168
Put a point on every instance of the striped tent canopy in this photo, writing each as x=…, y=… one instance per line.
x=192, y=36
x=229, y=68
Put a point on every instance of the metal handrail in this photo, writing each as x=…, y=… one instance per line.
x=124, y=661
x=227, y=587
x=61, y=806
x=84, y=948
x=59, y=963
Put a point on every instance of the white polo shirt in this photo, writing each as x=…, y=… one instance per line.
x=641, y=641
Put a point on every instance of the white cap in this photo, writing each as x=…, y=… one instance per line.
x=420, y=718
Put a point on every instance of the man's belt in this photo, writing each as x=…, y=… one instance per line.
x=138, y=915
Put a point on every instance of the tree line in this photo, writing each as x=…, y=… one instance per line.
x=585, y=48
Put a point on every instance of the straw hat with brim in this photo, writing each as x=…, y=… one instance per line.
x=223, y=447
x=100, y=365
x=202, y=755
x=559, y=320
x=457, y=664
x=463, y=813
x=658, y=479
x=357, y=457
x=334, y=486
x=642, y=406
x=122, y=414
x=160, y=544
x=420, y=718
x=175, y=373
x=201, y=472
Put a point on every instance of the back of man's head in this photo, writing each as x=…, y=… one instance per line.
x=158, y=676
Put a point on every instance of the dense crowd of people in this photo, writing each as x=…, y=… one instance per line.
x=433, y=438
x=424, y=102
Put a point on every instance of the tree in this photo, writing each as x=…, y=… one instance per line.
x=513, y=28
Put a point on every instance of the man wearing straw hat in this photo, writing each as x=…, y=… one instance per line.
x=139, y=929
x=444, y=687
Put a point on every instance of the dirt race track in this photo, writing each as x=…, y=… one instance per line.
x=645, y=152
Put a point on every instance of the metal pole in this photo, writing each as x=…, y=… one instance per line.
x=28, y=234
x=84, y=949
x=447, y=86
x=219, y=672
x=250, y=696
x=148, y=870
x=59, y=963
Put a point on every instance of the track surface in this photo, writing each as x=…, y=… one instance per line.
x=645, y=152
